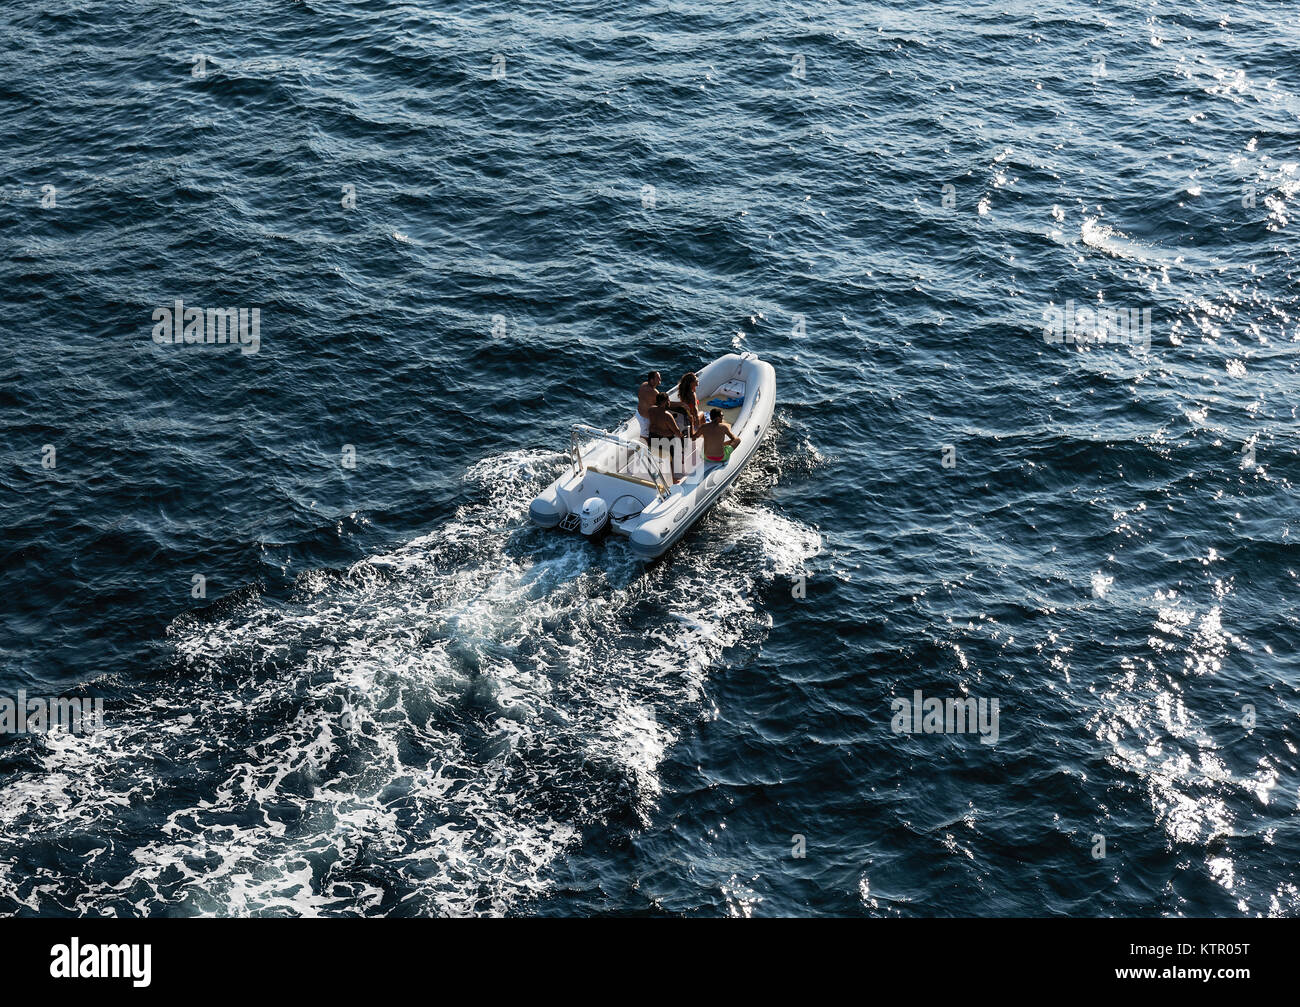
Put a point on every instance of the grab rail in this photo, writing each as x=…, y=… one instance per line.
x=630, y=449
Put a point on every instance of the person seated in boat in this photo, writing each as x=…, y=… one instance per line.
x=665, y=436
x=688, y=403
x=645, y=401
x=719, y=441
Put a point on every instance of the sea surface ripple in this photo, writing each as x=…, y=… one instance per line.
x=395, y=697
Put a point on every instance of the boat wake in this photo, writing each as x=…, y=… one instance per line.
x=425, y=733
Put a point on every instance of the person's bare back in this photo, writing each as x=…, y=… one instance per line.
x=717, y=437
x=662, y=423
x=665, y=438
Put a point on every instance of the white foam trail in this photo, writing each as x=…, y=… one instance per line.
x=426, y=733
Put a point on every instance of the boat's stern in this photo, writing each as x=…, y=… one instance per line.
x=610, y=473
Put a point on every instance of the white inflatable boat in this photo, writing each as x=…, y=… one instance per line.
x=616, y=483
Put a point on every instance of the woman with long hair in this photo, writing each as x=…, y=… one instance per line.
x=690, y=403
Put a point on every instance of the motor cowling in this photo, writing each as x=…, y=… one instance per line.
x=595, y=515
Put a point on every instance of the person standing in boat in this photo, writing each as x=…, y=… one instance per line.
x=645, y=401
x=718, y=438
x=687, y=408
x=688, y=404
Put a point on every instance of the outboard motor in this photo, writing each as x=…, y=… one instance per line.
x=595, y=517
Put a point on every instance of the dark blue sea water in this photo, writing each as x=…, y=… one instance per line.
x=397, y=698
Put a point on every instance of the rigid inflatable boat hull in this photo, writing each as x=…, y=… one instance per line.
x=667, y=512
